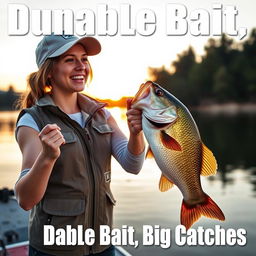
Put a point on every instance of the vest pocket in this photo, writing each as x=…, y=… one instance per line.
x=69, y=136
x=108, y=210
x=102, y=128
x=110, y=198
x=64, y=206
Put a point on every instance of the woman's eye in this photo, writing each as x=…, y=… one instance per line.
x=69, y=60
x=83, y=60
x=159, y=92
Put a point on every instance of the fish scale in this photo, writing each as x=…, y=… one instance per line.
x=189, y=182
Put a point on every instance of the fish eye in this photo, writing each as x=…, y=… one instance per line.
x=159, y=92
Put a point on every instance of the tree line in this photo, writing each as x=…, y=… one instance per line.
x=225, y=73
x=8, y=99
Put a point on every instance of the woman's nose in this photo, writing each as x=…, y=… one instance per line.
x=80, y=65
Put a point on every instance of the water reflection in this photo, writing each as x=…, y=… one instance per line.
x=231, y=138
x=252, y=180
x=7, y=126
x=7, y=123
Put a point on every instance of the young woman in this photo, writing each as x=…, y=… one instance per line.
x=67, y=139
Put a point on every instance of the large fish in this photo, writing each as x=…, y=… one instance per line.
x=175, y=143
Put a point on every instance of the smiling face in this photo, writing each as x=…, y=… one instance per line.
x=71, y=71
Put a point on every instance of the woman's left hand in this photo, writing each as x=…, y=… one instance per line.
x=134, y=119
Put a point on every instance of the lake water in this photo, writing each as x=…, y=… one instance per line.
x=232, y=138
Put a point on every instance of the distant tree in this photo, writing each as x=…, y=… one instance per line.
x=178, y=82
x=226, y=72
x=8, y=99
x=222, y=85
x=249, y=67
x=184, y=63
x=160, y=75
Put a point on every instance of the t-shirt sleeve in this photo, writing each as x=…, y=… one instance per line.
x=26, y=120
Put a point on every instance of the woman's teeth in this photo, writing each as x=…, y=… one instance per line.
x=77, y=77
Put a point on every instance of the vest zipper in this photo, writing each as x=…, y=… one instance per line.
x=86, y=149
x=90, y=173
x=87, y=135
x=94, y=205
x=49, y=219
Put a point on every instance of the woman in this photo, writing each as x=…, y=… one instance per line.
x=66, y=140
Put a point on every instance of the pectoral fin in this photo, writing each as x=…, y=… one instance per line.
x=165, y=184
x=149, y=153
x=170, y=142
x=209, y=163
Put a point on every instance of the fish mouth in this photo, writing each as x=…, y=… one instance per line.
x=143, y=91
x=158, y=125
x=160, y=118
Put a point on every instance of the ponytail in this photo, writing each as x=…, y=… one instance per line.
x=38, y=84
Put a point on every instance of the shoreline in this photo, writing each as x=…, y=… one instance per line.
x=212, y=108
x=226, y=108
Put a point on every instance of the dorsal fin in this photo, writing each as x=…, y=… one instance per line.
x=165, y=184
x=169, y=142
x=209, y=163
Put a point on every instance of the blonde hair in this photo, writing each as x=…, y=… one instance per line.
x=38, y=84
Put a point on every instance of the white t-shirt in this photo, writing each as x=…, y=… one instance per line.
x=131, y=163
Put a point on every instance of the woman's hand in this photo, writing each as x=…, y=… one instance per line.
x=134, y=119
x=51, y=139
x=40, y=152
x=136, y=143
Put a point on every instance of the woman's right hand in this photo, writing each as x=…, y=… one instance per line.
x=51, y=139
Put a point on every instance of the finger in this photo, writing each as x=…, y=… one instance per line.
x=134, y=111
x=48, y=128
x=49, y=135
x=55, y=138
x=129, y=103
x=49, y=140
x=60, y=142
x=136, y=121
x=134, y=125
x=134, y=117
x=54, y=144
x=133, y=114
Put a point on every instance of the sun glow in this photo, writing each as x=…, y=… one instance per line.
x=123, y=63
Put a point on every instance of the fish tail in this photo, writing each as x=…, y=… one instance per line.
x=208, y=208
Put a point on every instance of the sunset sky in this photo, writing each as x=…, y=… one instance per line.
x=122, y=65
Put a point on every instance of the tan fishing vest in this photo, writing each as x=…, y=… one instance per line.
x=78, y=191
